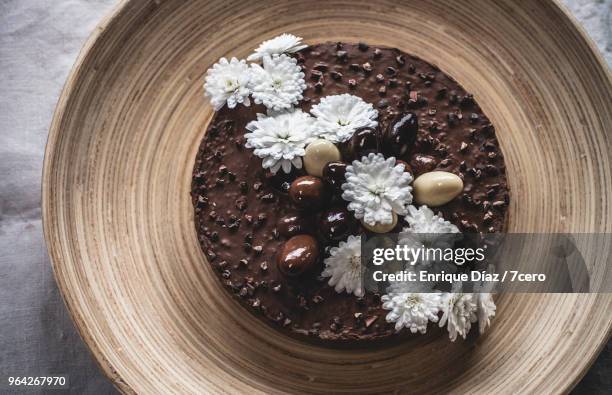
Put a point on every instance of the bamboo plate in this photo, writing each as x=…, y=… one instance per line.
x=119, y=222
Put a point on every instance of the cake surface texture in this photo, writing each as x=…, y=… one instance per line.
x=245, y=214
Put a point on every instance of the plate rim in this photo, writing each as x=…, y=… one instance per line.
x=54, y=133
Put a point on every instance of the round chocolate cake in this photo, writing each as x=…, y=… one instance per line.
x=268, y=233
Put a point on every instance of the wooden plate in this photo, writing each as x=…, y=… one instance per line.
x=119, y=223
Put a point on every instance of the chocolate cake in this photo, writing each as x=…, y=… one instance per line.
x=251, y=221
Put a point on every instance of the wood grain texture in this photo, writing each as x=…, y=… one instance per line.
x=119, y=222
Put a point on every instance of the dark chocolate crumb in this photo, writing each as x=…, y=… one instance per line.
x=342, y=56
x=336, y=76
x=321, y=67
x=467, y=101
x=269, y=197
x=302, y=302
x=214, y=236
x=316, y=75
x=202, y=202
x=441, y=94
x=370, y=320
x=499, y=204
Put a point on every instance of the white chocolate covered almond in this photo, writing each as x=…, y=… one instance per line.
x=319, y=153
x=436, y=188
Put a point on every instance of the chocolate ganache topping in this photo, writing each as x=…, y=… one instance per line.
x=267, y=234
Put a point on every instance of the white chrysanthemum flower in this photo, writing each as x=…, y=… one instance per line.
x=343, y=266
x=339, y=116
x=427, y=230
x=285, y=43
x=278, y=84
x=485, y=303
x=227, y=82
x=459, y=312
x=376, y=188
x=423, y=220
x=280, y=139
x=486, y=310
x=412, y=310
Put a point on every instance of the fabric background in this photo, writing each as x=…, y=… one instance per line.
x=39, y=41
